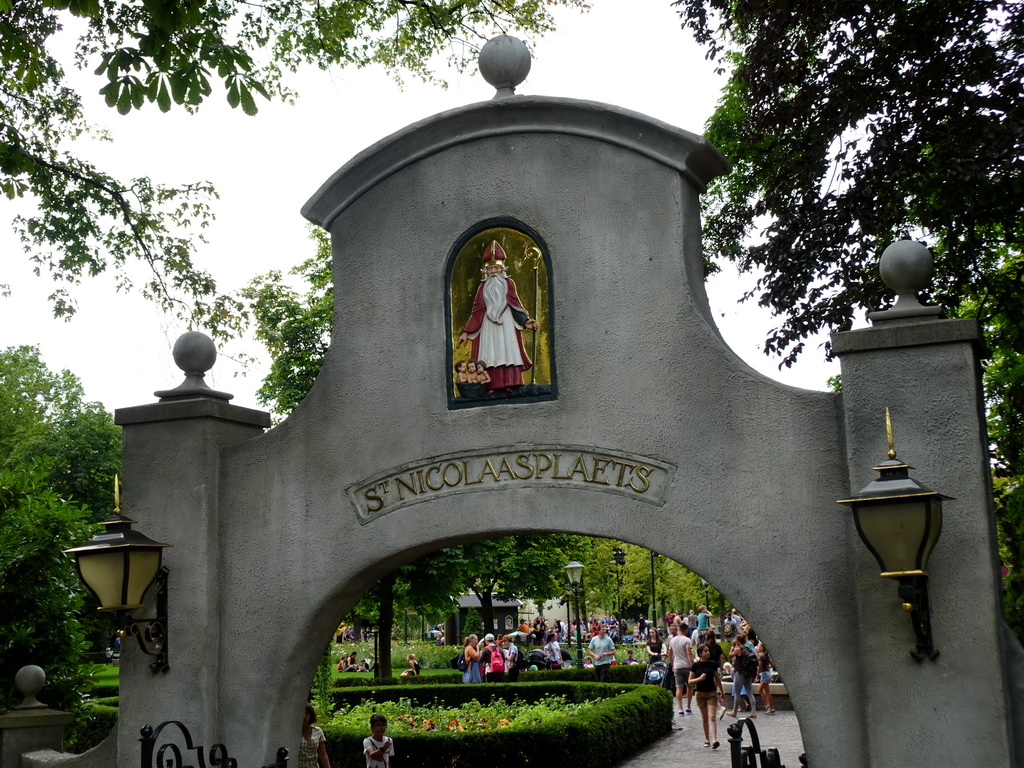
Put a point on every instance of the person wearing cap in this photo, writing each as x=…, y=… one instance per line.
x=496, y=323
x=512, y=658
x=492, y=660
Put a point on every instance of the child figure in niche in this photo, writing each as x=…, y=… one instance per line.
x=482, y=377
x=461, y=373
x=378, y=748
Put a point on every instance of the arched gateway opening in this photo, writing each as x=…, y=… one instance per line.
x=608, y=396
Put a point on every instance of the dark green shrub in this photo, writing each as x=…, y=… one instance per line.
x=98, y=721
x=621, y=674
x=363, y=681
x=103, y=690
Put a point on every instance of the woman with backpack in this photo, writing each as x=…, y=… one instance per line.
x=742, y=674
x=493, y=660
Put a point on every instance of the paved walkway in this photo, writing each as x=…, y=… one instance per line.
x=685, y=745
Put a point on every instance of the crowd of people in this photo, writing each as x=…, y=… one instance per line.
x=690, y=653
x=498, y=658
x=698, y=666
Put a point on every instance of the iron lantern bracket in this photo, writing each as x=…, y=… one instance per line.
x=152, y=632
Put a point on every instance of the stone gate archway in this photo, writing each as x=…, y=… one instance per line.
x=651, y=417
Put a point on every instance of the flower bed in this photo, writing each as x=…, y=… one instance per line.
x=618, y=721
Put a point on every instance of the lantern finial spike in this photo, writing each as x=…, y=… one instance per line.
x=888, y=434
x=117, y=496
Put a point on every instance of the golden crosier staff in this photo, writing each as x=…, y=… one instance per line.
x=535, y=254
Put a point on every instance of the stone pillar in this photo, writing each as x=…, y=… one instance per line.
x=31, y=725
x=954, y=710
x=171, y=488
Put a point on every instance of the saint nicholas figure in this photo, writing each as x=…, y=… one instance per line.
x=496, y=324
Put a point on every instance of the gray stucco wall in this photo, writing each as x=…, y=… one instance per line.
x=269, y=549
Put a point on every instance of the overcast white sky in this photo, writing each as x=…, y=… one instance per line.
x=626, y=52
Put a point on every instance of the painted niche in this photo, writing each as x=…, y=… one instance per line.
x=499, y=310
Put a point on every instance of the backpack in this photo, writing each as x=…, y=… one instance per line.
x=516, y=660
x=748, y=663
x=460, y=662
x=497, y=660
x=727, y=630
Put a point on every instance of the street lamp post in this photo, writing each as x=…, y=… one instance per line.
x=574, y=571
x=654, y=597
x=618, y=560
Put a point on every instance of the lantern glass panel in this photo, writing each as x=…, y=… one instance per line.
x=894, y=533
x=118, y=585
x=145, y=564
x=935, y=528
x=574, y=570
x=103, y=572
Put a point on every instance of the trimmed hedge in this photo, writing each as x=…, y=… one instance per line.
x=620, y=674
x=441, y=678
x=104, y=690
x=626, y=720
x=98, y=721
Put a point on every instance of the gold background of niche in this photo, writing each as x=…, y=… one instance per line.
x=519, y=265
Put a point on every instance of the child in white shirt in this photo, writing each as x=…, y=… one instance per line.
x=378, y=748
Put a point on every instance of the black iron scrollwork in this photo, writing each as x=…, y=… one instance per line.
x=747, y=756
x=152, y=633
x=170, y=755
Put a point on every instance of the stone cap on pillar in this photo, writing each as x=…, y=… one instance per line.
x=32, y=713
x=906, y=267
x=195, y=353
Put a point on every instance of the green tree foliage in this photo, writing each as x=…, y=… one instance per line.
x=323, y=679
x=852, y=125
x=44, y=418
x=295, y=328
x=518, y=567
x=676, y=587
x=472, y=624
x=176, y=53
x=40, y=593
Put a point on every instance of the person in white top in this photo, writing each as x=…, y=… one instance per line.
x=680, y=656
x=378, y=748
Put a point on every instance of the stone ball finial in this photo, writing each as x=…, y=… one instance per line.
x=29, y=681
x=195, y=353
x=504, y=63
x=906, y=267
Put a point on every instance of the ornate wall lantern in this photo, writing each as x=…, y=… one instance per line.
x=899, y=520
x=118, y=565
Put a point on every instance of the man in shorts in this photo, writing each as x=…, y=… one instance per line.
x=680, y=657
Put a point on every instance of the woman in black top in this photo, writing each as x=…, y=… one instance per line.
x=707, y=679
x=654, y=647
